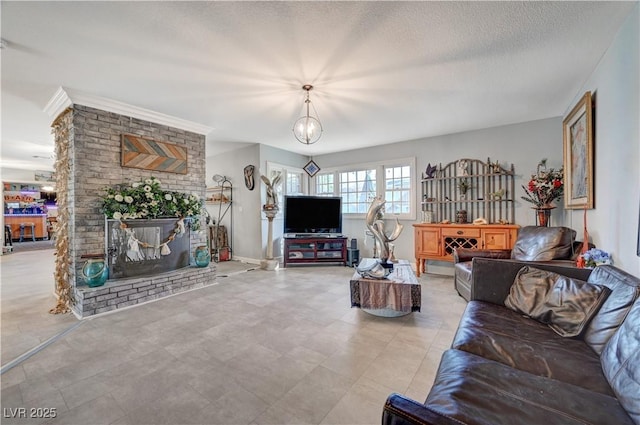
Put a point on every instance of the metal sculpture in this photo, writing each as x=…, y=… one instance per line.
x=376, y=227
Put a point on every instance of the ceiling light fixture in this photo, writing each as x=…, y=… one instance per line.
x=308, y=129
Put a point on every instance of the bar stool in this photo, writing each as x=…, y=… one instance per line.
x=7, y=235
x=27, y=226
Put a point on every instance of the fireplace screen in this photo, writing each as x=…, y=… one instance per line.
x=145, y=247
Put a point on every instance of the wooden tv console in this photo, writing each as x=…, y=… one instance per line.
x=315, y=250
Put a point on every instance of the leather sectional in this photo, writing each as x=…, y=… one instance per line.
x=507, y=368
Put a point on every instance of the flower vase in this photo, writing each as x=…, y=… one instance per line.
x=202, y=256
x=543, y=215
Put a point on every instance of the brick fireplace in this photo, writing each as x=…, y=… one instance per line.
x=94, y=160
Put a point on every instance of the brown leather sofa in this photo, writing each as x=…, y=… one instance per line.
x=534, y=243
x=506, y=368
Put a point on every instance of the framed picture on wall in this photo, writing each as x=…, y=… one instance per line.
x=311, y=168
x=577, y=138
x=638, y=249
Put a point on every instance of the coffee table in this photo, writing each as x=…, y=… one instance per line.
x=396, y=295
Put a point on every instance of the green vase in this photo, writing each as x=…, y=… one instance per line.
x=201, y=256
x=95, y=272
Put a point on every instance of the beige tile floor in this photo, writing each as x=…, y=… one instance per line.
x=260, y=347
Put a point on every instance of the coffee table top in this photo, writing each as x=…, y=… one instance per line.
x=402, y=273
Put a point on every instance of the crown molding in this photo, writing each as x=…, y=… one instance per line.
x=64, y=98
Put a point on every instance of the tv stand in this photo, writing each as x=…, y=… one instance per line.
x=316, y=249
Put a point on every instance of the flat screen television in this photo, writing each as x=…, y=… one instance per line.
x=312, y=215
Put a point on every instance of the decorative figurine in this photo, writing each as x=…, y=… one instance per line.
x=430, y=172
x=272, y=196
x=248, y=176
x=463, y=167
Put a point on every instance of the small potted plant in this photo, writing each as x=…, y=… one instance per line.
x=463, y=186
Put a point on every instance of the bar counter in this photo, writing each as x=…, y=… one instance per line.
x=39, y=220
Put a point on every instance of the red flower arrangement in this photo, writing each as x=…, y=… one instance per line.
x=545, y=186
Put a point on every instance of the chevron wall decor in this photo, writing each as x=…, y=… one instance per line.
x=138, y=152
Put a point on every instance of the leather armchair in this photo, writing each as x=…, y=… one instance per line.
x=534, y=243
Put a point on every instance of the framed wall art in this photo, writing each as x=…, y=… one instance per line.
x=638, y=247
x=577, y=129
x=148, y=154
x=311, y=168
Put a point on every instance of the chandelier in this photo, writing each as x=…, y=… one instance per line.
x=307, y=129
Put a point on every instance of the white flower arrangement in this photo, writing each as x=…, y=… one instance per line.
x=147, y=200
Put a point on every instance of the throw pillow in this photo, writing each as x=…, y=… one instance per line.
x=620, y=359
x=537, y=243
x=624, y=291
x=565, y=304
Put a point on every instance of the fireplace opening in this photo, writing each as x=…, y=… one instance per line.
x=146, y=247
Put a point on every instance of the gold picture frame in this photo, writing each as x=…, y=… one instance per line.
x=577, y=136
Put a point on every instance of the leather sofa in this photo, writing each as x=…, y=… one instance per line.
x=534, y=243
x=506, y=368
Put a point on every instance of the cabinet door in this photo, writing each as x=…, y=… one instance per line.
x=496, y=239
x=428, y=241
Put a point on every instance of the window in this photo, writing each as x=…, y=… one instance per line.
x=397, y=191
x=359, y=184
x=357, y=189
x=293, y=183
x=324, y=184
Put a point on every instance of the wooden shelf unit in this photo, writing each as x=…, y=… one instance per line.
x=490, y=196
x=312, y=250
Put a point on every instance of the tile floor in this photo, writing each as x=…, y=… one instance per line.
x=260, y=347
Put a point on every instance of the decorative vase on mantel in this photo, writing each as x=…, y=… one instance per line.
x=543, y=214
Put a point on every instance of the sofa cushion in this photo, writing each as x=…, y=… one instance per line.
x=565, y=304
x=625, y=289
x=536, y=243
x=500, y=334
x=621, y=363
x=474, y=390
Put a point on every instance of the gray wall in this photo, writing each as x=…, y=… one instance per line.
x=250, y=224
x=246, y=203
x=521, y=144
x=613, y=224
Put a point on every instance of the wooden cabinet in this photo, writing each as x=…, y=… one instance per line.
x=437, y=241
x=315, y=250
x=427, y=241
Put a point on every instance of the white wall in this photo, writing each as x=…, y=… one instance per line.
x=523, y=144
x=613, y=223
x=17, y=175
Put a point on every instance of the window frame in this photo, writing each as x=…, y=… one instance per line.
x=380, y=167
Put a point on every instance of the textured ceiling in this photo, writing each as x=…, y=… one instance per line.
x=383, y=71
